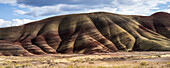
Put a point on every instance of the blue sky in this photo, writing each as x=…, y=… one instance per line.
x=18, y=12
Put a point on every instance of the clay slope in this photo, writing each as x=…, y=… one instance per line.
x=88, y=33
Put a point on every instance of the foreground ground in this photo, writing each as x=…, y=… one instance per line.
x=109, y=60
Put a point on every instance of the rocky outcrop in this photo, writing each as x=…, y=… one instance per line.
x=88, y=33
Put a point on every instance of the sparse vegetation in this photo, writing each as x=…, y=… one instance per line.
x=143, y=63
x=114, y=60
x=168, y=64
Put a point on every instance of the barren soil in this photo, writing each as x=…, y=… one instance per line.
x=149, y=59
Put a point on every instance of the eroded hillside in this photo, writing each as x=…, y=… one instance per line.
x=88, y=33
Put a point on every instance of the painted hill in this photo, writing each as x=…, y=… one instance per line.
x=88, y=33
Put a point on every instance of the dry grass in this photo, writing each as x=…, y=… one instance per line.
x=113, y=60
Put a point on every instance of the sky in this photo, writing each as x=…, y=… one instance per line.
x=18, y=12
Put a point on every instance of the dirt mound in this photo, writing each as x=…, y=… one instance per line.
x=98, y=32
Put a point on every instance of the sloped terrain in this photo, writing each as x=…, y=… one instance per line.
x=88, y=33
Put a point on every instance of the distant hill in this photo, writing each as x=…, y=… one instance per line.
x=88, y=33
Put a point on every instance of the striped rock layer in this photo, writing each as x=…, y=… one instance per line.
x=88, y=33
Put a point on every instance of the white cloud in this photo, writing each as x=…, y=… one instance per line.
x=14, y=22
x=104, y=9
x=3, y=21
x=130, y=7
x=19, y=11
x=165, y=10
x=46, y=10
x=140, y=7
x=8, y=1
x=63, y=9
